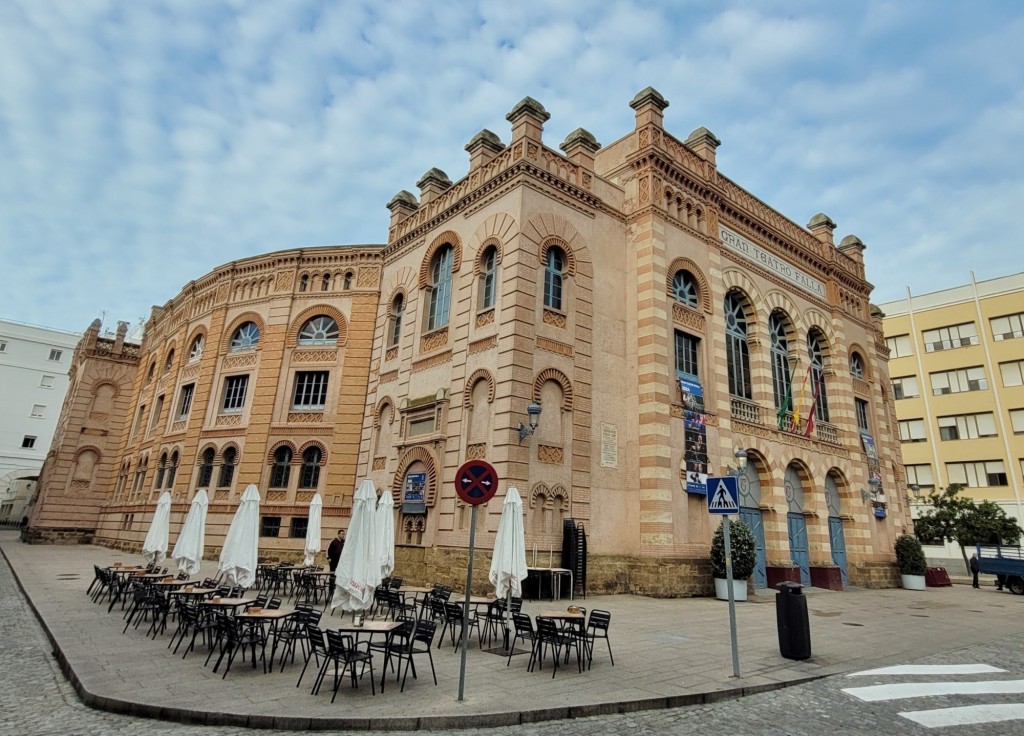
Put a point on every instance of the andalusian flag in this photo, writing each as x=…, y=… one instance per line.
x=810, y=414
x=803, y=395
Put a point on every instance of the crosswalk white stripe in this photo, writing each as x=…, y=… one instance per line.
x=900, y=690
x=966, y=715
x=930, y=669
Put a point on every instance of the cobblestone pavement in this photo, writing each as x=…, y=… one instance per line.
x=36, y=699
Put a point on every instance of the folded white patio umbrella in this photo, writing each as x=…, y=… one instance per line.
x=508, y=565
x=313, y=541
x=188, y=550
x=241, y=545
x=358, y=570
x=154, y=549
x=384, y=520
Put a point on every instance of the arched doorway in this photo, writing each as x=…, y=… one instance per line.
x=750, y=514
x=835, y=526
x=797, y=524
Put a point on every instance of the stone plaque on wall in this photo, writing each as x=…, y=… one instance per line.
x=609, y=446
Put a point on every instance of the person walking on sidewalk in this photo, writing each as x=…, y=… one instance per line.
x=334, y=549
x=974, y=570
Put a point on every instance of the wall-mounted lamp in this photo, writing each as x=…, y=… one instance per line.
x=876, y=496
x=741, y=463
x=916, y=490
x=533, y=417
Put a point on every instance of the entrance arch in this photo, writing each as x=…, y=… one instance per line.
x=798, y=551
x=835, y=524
x=750, y=514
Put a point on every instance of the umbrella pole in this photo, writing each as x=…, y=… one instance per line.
x=508, y=615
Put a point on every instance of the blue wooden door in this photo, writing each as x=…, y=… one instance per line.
x=838, y=542
x=752, y=518
x=798, y=546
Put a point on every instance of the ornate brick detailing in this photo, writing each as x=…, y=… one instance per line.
x=315, y=311
x=304, y=496
x=391, y=353
x=485, y=318
x=477, y=451
x=276, y=446
x=228, y=420
x=685, y=264
x=234, y=362
x=549, y=454
x=222, y=495
x=553, y=318
x=686, y=317
x=229, y=332
x=446, y=238
x=179, y=426
x=378, y=463
x=190, y=371
x=421, y=365
x=645, y=191
x=554, y=346
x=478, y=375
x=368, y=277
x=320, y=446
x=861, y=387
x=277, y=496
x=305, y=417
x=551, y=374
x=99, y=416
x=389, y=376
x=284, y=281
x=570, y=256
x=80, y=485
x=423, y=455
x=434, y=340
x=827, y=433
x=480, y=345
x=328, y=355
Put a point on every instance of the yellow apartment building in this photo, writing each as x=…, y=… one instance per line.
x=956, y=358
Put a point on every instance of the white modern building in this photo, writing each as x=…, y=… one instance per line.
x=34, y=363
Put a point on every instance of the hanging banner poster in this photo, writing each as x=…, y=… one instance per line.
x=695, y=435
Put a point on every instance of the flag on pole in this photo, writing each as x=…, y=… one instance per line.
x=787, y=401
x=803, y=395
x=814, y=405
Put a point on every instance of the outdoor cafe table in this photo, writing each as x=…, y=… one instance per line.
x=194, y=593
x=370, y=628
x=232, y=603
x=562, y=615
x=275, y=617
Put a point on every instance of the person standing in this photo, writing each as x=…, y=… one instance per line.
x=338, y=543
x=974, y=570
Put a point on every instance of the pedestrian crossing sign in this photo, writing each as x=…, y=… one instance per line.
x=723, y=496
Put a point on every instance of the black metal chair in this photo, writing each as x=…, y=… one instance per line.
x=597, y=628
x=523, y=626
x=316, y=649
x=424, y=635
x=345, y=654
x=550, y=637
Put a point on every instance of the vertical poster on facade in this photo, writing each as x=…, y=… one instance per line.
x=414, y=494
x=695, y=435
x=874, y=467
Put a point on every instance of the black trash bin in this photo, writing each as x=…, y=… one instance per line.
x=794, y=626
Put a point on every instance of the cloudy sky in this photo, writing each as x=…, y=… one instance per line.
x=143, y=143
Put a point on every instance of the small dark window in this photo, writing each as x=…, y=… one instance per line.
x=206, y=468
x=227, y=467
x=310, y=477
x=270, y=526
x=28, y=442
x=298, y=528
x=281, y=471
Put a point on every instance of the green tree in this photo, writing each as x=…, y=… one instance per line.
x=956, y=518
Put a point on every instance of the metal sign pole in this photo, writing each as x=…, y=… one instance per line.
x=465, y=611
x=732, y=598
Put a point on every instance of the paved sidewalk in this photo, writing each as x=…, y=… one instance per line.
x=667, y=653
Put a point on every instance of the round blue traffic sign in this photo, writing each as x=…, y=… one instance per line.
x=476, y=482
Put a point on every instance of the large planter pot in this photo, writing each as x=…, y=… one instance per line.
x=739, y=589
x=912, y=582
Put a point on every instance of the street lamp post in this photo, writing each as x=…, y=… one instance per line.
x=737, y=472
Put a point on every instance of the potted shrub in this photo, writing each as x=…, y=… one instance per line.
x=911, y=562
x=742, y=542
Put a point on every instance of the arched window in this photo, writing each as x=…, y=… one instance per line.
x=169, y=363
x=310, y=476
x=818, y=387
x=737, y=348
x=196, y=351
x=440, y=288
x=856, y=366
x=321, y=330
x=304, y=282
x=227, y=468
x=282, y=469
x=325, y=283
x=246, y=337
x=160, y=470
x=488, y=278
x=348, y=280
x=554, y=270
x=685, y=288
x=206, y=468
x=149, y=375
x=782, y=375
x=395, y=330
x=172, y=470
